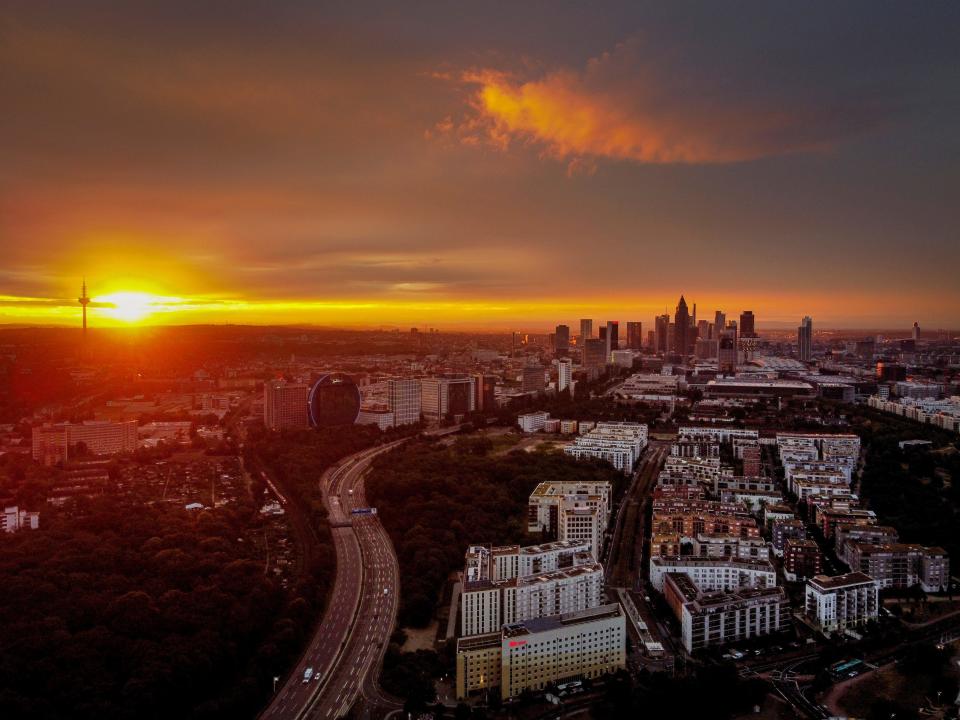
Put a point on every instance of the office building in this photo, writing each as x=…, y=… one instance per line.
x=446, y=397
x=561, y=338
x=535, y=653
x=710, y=619
x=533, y=379
x=805, y=340
x=379, y=415
x=52, y=444
x=485, y=392
x=285, y=405
x=662, y=334
x=594, y=353
x=916, y=332
x=841, y=602
x=634, y=335
x=719, y=323
x=727, y=352
x=747, y=324
x=681, y=329
x=586, y=330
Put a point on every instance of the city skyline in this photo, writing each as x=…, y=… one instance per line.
x=358, y=166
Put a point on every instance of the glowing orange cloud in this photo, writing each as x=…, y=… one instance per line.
x=627, y=106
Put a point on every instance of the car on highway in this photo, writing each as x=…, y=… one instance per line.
x=386, y=591
x=307, y=674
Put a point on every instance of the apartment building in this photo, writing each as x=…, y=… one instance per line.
x=709, y=619
x=901, y=565
x=841, y=602
x=801, y=559
x=544, y=505
x=533, y=421
x=726, y=574
x=581, y=522
x=619, y=443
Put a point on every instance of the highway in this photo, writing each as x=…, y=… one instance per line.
x=347, y=649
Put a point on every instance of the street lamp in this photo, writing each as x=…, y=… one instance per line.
x=276, y=679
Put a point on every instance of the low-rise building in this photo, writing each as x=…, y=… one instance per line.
x=901, y=565
x=532, y=421
x=619, y=443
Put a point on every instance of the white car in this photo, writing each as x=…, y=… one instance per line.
x=307, y=674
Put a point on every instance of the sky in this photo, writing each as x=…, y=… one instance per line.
x=479, y=165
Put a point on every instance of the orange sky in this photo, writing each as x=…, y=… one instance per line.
x=497, y=167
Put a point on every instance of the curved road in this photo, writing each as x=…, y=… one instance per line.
x=347, y=649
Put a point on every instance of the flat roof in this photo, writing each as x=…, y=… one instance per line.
x=827, y=582
x=555, y=622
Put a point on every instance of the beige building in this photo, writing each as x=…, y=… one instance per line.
x=54, y=443
x=285, y=405
x=535, y=653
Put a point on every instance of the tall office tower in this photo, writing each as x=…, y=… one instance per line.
x=727, y=349
x=805, y=339
x=681, y=330
x=403, y=398
x=285, y=405
x=693, y=318
x=533, y=378
x=719, y=323
x=651, y=339
x=747, y=329
x=586, y=330
x=613, y=335
x=484, y=392
x=564, y=374
x=916, y=331
x=661, y=326
x=634, y=335
x=446, y=396
x=703, y=330
x=593, y=353
x=561, y=338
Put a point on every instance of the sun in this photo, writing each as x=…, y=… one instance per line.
x=128, y=306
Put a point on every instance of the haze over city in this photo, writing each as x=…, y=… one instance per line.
x=496, y=166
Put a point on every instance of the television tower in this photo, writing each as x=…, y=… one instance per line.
x=84, y=300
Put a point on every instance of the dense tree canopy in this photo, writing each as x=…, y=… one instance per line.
x=436, y=500
x=132, y=611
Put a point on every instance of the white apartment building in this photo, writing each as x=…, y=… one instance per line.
x=533, y=421
x=486, y=605
x=715, y=434
x=620, y=444
x=727, y=574
x=535, y=653
x=721, y=618
x=52, y=443
x=13, y=519
x=543, y=509
x=505, y=562
x=841, y=602
x=582, y=523
x=564, y=374
x=940, y=413
x=403, y=398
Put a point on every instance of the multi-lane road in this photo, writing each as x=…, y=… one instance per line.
x=346, y=651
